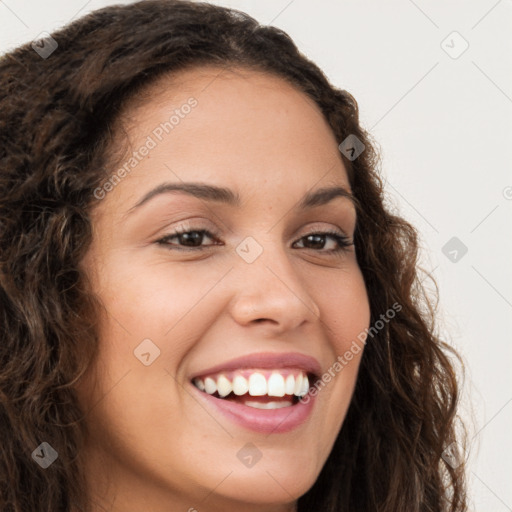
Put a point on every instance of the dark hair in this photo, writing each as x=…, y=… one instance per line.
x=56, y=132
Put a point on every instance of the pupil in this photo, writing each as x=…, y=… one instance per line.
x=190, y=238
x=317, y=239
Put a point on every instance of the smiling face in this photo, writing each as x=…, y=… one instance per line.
x=259, y=290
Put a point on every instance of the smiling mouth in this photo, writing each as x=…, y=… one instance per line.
x=257, y=388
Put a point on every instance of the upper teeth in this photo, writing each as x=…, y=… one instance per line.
x=256, y=384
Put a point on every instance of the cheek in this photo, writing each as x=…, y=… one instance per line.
x=151, y=299
x=344, y=305
x=153, y=315
x=151, y=307
x=147, y=329
x=345, y=315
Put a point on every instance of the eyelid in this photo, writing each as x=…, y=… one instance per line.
x=322, y=226
x=312, y=228
x=200, y=224
x=212, y=233
x=342, y=240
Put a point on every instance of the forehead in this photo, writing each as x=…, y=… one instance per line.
x=249, y=130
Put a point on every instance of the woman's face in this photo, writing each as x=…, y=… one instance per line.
x=252, y=297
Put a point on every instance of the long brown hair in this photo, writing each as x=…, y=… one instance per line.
x=57, y=115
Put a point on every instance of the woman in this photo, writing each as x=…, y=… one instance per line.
x=205, y=303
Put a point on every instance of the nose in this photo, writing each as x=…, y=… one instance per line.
x=269, y=290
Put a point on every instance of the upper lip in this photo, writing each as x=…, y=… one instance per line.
x=266, y=360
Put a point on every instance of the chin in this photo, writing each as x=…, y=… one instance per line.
x=276, y=479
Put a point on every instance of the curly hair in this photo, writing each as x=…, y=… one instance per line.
x=57, y=120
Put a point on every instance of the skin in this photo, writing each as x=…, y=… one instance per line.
x=152, y=446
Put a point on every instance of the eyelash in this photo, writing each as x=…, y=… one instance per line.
x=342, y=240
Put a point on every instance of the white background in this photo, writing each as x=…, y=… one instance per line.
x=444, y=126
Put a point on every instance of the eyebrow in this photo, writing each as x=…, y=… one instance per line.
x=318, y=197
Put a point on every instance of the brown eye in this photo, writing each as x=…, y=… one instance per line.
x=191, y=239
x=317, y=241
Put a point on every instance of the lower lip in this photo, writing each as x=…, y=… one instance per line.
x=268, y=421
